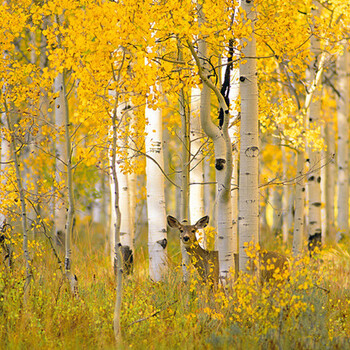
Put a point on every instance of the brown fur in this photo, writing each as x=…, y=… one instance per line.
x=206, y=262
x=269, y=264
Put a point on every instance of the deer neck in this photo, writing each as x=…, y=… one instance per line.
x=196, y=250
x=206, y=262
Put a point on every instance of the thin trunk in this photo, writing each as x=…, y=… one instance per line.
x=285, y=199
x=248, y=219
x=234, y=136
x=343, y=143
x=157, y=237
x=329, y=183
x=32, y=173
x=60, y=85
x=21, y=193
x=5, y=152
x=126, y=232
x=185, y=171
x=314, y=156
x=61, y=160
x=197, y=208
x=276, y=203
x=299, y=205
x=118, y=265
x=4, y=164
x=300, y=187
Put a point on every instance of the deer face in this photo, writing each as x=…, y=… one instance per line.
x=188, y=232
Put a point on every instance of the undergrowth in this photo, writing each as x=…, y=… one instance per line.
x=307, y=307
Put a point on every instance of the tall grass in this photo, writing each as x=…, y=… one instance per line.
x=308, y=309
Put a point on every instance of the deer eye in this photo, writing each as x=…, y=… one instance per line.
x=193, y=231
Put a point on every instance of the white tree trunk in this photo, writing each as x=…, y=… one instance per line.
x=61, y=161
x=248, y=219
x=315, y=197
x=299, y=205
x=126, y=190
x=276, y=203
x=223, y=163
x=5, y=156
x=197, y=208
x=343, y=143
x=314, y=175
x=234, y=136
x=285, y=199
x=157, y=232
x=330, y=179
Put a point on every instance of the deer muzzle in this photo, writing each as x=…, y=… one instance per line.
x=186, y=239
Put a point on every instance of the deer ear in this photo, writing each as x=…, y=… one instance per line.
x=203, y=222
x=173, y=222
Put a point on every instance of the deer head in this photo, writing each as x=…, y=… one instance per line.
x=206, y=262
x=188, y=232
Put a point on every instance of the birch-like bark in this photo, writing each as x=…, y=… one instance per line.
x=125, y=196
x=300, y=187
x=234, y=136
x=285, y=199
x=157, y=233
x=343, y=143
x=185, y=172
x=5, y=152
x=62, y=114
x=61, y=162
x=21, y=193
x=223, y=162
x=299, y=205
x=314, y=156
x=276, y=202
x=118, y=264
x=197, y=165
x=248, y=219
x=330, y=180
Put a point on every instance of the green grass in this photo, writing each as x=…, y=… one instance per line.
x=308, y=310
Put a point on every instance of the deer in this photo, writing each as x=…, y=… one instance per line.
x=207, y=262
x=270, y=263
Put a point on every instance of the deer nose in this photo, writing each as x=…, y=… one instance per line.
x=186, y=238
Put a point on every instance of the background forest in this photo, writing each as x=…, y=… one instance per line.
x=115, y=114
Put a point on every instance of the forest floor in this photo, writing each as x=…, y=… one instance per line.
x=308, y=309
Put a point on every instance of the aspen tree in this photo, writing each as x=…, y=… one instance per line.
x=285, y=199
x=61, y=161
x=62, y=114
x=5, y=153
x=22, y=199
x=126, y=223
x=248, y=219
x=330, y=177
x=314, y=155
x=233, y=97
x=117, y=245
x=197, y=163
x=185, y=167
x=223, y=157
x=343, y=141
x=157, y=237
x=300, y=186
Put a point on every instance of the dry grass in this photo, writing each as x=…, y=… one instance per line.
x=308, y=309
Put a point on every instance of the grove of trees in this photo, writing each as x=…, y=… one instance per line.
x=115, y=114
